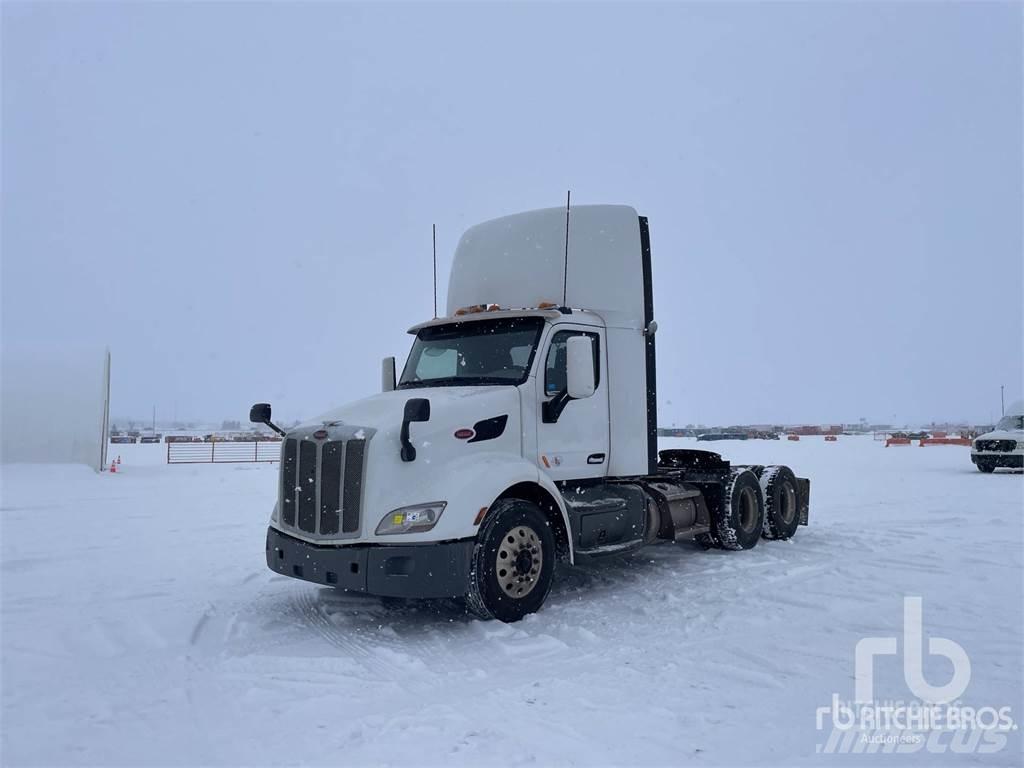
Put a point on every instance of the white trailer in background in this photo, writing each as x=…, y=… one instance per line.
x=55, y=405
x=523, y=430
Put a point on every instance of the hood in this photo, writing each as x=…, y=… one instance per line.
x=356, y=450
x=356, y=461
x=451, y=408
x=1002, y=434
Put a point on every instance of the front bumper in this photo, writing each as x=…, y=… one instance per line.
x=999, y=459
x=389, y=570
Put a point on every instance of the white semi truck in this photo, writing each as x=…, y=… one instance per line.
x=522, y=431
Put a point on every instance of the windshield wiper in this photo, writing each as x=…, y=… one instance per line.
x=456, y=381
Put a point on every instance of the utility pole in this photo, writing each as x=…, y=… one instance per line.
x=1002, y=403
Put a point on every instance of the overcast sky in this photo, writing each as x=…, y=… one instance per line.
x=237, y=198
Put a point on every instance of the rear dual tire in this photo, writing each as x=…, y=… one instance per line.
x=772, y=491
x=738, y=521
x=781, y=503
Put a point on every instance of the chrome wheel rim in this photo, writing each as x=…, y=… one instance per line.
x=518, y=561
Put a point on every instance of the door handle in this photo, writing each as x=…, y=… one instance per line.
x=595, y=458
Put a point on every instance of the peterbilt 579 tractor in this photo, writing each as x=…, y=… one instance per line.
x=522, y=431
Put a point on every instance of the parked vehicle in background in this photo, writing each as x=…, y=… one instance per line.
x=707, y=437
x=905, y=435
x=1003, y=446
x=255, y=437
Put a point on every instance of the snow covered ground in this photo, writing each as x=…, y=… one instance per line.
x=140, y=626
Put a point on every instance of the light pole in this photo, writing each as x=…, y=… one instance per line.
x=1002, y=404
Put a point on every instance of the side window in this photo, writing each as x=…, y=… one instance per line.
x=555, y=378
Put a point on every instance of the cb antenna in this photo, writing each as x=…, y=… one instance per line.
x=434, y=228
x=565, y=272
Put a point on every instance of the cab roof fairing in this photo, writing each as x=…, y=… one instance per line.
x=520, y=261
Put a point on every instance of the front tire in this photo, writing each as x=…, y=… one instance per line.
x=513, y=562
x=986, y=466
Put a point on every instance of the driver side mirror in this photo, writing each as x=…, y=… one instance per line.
x=416, y=409
x=579, y=363
x=260, y=413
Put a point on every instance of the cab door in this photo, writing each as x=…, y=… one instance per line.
x=574, y=444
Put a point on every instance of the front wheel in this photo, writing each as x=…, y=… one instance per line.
x=513, y=562
x=986, y=466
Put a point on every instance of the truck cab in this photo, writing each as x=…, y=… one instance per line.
x=521, y=431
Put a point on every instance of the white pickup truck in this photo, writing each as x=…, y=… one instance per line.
x=523, y=430
x=1003, y=446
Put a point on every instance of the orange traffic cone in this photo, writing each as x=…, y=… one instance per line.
x=113, y=467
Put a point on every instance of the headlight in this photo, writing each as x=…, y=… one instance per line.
x=274, y=514
x=413, y=519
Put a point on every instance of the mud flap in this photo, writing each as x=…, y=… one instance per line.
x=803, y=486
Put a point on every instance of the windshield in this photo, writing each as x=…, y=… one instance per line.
x=1011, y=423
x=498, y=351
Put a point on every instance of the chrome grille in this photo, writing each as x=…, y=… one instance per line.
x=321, y=486
x=306, y=486
x=289, y=462
x=330, y=488
x=355, y=453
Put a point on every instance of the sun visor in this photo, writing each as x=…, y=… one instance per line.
x=519, y=261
